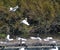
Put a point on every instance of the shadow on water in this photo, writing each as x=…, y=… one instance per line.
x=12, y=49
x=37, y=49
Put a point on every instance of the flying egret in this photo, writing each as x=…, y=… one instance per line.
x=25, y=22
x=13, y=9
x=8, y=38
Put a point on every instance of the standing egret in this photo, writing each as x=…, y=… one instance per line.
x=8, y=38
x=25, y=22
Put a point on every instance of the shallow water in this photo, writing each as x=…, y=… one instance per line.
x=29, y=49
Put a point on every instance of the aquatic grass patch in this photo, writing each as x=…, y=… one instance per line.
x=2, y=35
x=58, y=32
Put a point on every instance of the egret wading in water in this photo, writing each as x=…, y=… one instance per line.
x=8, y=38
x=13, y=9
x=25, y=22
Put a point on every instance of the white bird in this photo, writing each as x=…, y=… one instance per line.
x=23, y=48
x=13, y=9
x=45, y=39
x=36, y=38
x=3, y=42
x=23, y=39
x=39, y=38
x=53, y=42
x=18, y=38
x=33, y=38
x=48, y=38
x=25, y=22
x=23, y=42
x=8, y=38
x=56, y=48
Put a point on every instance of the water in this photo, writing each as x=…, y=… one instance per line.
x=37, y=49
x=29, y=49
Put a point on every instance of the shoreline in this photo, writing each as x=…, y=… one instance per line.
x=29, y=42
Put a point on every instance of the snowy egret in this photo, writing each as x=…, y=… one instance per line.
x=45, y=39
x=33, y=38
x=48, y=38
x=23, y=42
x=25, y=22
x=3, y=42
x=39, y=38
x=53, y=41
x=36, y=38
x=23, y=39
x=13, y=9
x=8, y=38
